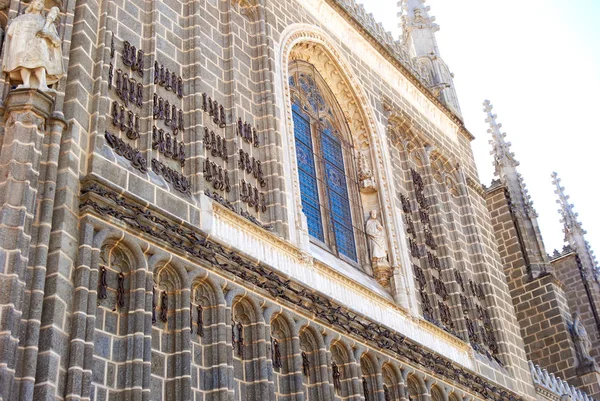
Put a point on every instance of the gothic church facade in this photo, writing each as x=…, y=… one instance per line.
x=266, y=200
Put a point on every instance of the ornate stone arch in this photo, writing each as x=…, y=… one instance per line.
x=313, y=45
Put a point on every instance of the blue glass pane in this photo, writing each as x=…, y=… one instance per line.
x=313, y=218
x=332, y=149
x=305, y=157
x=340, y=209
x=307, y=175
x=301, y=127
x=345, y=241
x=337, y=190
x=336, y=179
x=308, y=189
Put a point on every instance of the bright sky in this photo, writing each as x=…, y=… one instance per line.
x=538, y=62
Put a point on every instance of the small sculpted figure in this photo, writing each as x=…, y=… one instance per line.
x=583, y=345
x=376, y=237
x=32, y=54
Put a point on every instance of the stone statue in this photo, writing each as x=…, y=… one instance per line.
x=583, y=345
x=376, y=238
x=33, y=47
x=365, y=174
x=382, y=271
x=379, y=254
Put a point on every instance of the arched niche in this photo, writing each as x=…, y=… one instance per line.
x=119, y=345
x=370, y=378
x=416, y=389
x=315, y=368
x=343, y=371
x=249, y=346
x=392, y=382
x=284, y=349
x=171, y=358
x=437, y=394
x=207, y=315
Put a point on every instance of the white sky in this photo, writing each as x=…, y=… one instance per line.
x=538, y=62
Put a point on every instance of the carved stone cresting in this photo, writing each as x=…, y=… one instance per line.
x=32, y=55
x=313, y=45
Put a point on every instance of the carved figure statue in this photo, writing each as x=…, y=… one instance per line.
x=382, y=271
x=376, y=238
x=365, y=174
x=33, y=47
x=583, y=345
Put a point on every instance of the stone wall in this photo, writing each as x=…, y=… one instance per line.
x=127, y=312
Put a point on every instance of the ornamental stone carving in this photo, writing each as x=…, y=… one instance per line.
x=32, y=55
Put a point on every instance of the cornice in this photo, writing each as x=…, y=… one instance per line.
x=195, y=245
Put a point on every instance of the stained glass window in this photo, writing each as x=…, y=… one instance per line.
x=322, y=169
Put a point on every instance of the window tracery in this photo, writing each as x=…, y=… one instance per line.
x=326, y=164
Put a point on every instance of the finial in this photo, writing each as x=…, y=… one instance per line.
x=415, y=14
x=503, y=157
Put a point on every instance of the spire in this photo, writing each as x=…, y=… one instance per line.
x=574, y=232
x=503, y=157
x=521, y=205
x=506, y=164
x=418, y=36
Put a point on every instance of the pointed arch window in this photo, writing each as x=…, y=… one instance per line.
x=325, y=163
